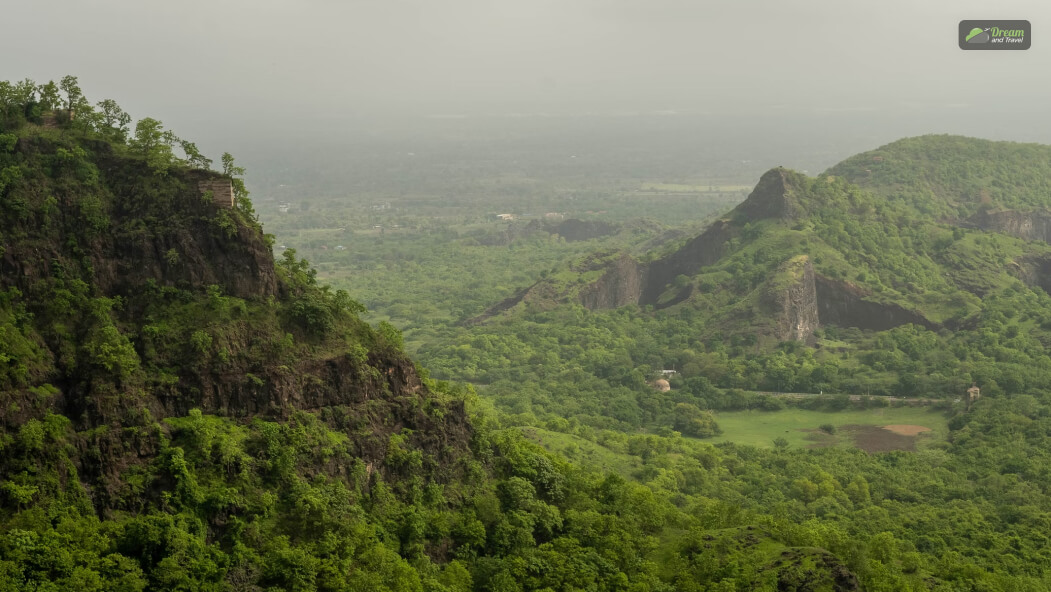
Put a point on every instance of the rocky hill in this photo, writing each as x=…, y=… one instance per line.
x=130, y=298
x=771, y=229
x=179, y=411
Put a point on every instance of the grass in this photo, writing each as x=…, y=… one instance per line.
x=761, y=428
x=585, y=452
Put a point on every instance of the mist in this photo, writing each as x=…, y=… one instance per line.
x=280, y=79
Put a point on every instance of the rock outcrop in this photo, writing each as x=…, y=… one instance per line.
x=1034, y=270
x=773, y=197
x=114, y=267
x=1034, y=225
x=580, y=230
x=796, y=304
x=622, y=284
x=845, y=304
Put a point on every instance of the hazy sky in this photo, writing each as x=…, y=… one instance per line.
x=208, y=67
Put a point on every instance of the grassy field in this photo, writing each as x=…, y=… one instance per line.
x=582, y=451
x=760, y=428
x=798, y=426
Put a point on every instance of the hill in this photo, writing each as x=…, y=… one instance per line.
x=812, y=285
x=179, y=411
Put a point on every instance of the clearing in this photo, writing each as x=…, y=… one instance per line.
x=874, y=430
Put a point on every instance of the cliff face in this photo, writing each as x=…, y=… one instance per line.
x=622, y=284
x=797, y=304
x=156, y=229
x=1034, y=270
x=113, y=269
x=844, y=304
x=1034, y=225
x=704, y=250
x=771, y=198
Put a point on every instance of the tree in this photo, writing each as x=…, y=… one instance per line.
x=194, y=156
x=71, y=87
x=170, y=139
x=229, y=169
x=114, y=118
x=149, y=142
x=49, y=96
x=244, y=205
x=24, y=92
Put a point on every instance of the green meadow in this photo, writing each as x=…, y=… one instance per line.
x=798, y=426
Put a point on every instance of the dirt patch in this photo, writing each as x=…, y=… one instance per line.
x=907, y=430
x=876, y=439
x=819, y=438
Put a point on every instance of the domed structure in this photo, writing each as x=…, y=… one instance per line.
x=662, y=385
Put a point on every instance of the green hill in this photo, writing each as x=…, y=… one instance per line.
x=179, y=411
x=953, y=177
x=837, y=284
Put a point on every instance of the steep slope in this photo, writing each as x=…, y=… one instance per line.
x=144, y=298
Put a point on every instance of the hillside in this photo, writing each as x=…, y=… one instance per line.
x=179, y=411
x=821, y=287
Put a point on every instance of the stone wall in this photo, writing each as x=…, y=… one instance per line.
x=222, y=191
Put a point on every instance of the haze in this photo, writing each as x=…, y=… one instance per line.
x=239, y=74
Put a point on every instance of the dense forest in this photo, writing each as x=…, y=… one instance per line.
x=182, y=411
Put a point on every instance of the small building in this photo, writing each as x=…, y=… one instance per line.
x=505, y=217
x=662, y=385
x=973, y=394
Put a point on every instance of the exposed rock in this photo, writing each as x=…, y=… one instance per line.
x=579, y=230
x=135, y=231
x=1034, y=225
x=622, y=284
x=844, y=304
x=797, y=303
x=184, y=250
x=703, y=250
x=1034, y=270
x=771, y=198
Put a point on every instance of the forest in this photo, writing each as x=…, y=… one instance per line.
x=188, y=406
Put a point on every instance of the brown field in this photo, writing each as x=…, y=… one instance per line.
x=907, y=430
x=876, y=439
